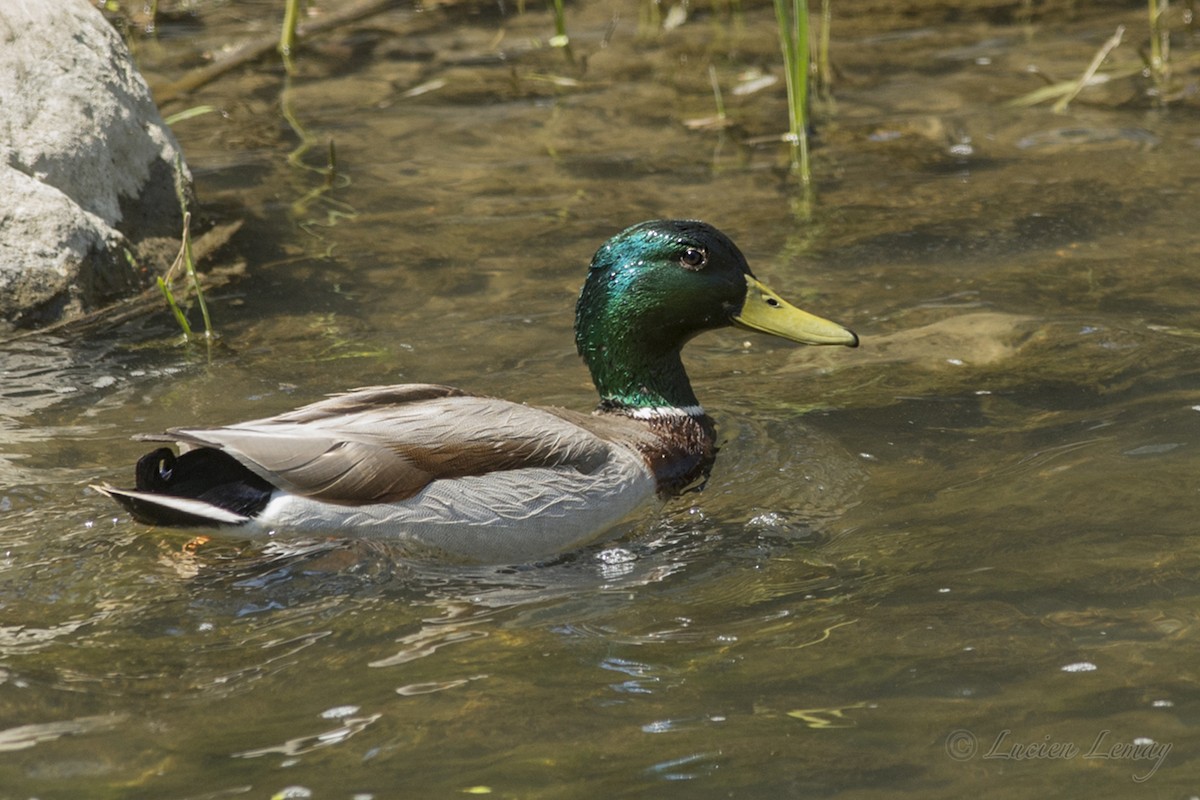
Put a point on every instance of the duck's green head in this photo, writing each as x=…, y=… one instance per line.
x=657, y=284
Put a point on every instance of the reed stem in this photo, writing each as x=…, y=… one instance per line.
x=1160, y=49
x=792, y=22
x=287, y=35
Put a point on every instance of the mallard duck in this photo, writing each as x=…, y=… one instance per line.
x=482, y=479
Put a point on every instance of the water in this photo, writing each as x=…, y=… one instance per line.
x=956, y=560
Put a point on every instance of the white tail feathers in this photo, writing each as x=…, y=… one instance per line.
x=143, y=503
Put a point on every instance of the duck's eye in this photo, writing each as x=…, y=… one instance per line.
x=693, y=258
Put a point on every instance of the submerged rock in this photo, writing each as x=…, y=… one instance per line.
x=89, y=172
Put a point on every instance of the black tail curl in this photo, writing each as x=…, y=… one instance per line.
x=204, y=474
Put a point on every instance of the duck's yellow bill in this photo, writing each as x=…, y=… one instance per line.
x=767, y=312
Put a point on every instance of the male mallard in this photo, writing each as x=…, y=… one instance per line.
x=484, y=479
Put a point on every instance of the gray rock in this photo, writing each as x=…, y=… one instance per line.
x=88, y=169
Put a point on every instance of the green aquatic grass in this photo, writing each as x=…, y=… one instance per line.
x=824, y=69
x=560, y=39
x=172, y=304
x=189, y=113
x=1156, y=61
x=560, y=26
x=287, y=33
x=330, y=178
x=1075, y=87
x=1159, y=59
x=185, y=262
x=716, y=88
x=792, y=23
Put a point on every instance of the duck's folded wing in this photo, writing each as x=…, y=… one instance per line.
x=385, y=444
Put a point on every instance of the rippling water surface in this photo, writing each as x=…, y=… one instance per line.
x=956, y=560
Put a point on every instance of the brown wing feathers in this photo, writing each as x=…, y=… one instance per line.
x=385, y=444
